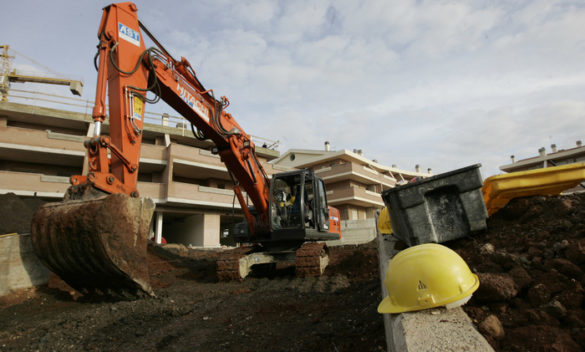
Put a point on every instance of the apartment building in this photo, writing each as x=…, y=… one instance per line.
x=354, y=183
x=41, y=147
x=555, y=157
x=546, y=159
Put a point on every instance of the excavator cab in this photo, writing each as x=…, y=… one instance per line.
x=298, y=207
x=298, y=211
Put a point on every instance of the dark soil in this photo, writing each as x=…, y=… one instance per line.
x=195, y=312
x=530, y=260
x=531, y=265
x=17, y=213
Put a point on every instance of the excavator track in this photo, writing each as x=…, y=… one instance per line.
x=311, y=259
x=228, y=265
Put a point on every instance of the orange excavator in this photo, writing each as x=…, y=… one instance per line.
x=96, y=238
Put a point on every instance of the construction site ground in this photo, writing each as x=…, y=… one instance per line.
x=531, y=265
x=194, y=312
x=530, y=261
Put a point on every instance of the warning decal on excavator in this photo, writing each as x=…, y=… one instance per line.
x=128, y=34
x=138, y=108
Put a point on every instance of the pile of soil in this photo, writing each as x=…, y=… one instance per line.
x=531, y=266
x=195, y=312
x=17, y=213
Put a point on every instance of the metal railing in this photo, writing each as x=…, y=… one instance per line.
x=85, y=107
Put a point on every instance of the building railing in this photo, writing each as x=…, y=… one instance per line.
x=366, y=175
x=85, y=106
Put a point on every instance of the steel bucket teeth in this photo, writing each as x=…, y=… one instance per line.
x=97, y=244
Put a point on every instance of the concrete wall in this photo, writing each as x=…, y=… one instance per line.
x=211, y=230
x=199, y=230
x=19, y=266
x=356, y=232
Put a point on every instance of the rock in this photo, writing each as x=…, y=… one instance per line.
x=176, y=248
x=487, y=248
x=564, y=342
x=567, y=203
x=500, y=308
x=492, y=327
x=504, y=259
x=564, y=225
x=573, y=319
x=555, y=308
x=559, y=246
x=538, y=295
x=542, y=244
x=567, y=268
x=495, y=287
x=534, y=252
x=546, y=319
x=571, y=298
x=520, y=276
x=540, y=338
x=576, y=252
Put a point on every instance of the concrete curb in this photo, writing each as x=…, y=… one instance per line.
x=19, y=266
x=429, y=330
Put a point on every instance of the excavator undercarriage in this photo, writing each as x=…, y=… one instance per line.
x=310, y=260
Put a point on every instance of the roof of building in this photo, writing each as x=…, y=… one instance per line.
x=314, y=157
x=559, y=155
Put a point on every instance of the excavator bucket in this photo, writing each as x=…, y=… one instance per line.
x=96, y=245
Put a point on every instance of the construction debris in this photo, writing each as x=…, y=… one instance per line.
x=531, y=265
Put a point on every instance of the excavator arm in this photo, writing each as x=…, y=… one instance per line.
x=127, y=70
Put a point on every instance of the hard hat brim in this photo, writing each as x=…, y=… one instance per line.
x=387, y=306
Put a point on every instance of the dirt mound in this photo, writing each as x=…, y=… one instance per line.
x=195, y=312
x=531, y=264
x=17, y=212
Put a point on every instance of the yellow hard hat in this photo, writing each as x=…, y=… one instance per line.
x=384, y=224
x=426, y=276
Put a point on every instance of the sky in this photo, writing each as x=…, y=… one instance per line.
x=441, y=84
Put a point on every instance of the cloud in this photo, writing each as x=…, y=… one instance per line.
x=436, y=83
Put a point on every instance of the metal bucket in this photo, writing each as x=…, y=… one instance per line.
x=96, y=245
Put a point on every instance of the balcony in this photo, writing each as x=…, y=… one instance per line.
x=354, y=196
x=30, y=184
x=354, y=172
x=186, y=194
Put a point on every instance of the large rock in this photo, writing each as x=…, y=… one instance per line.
x=495, y=287
x=492, y=327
